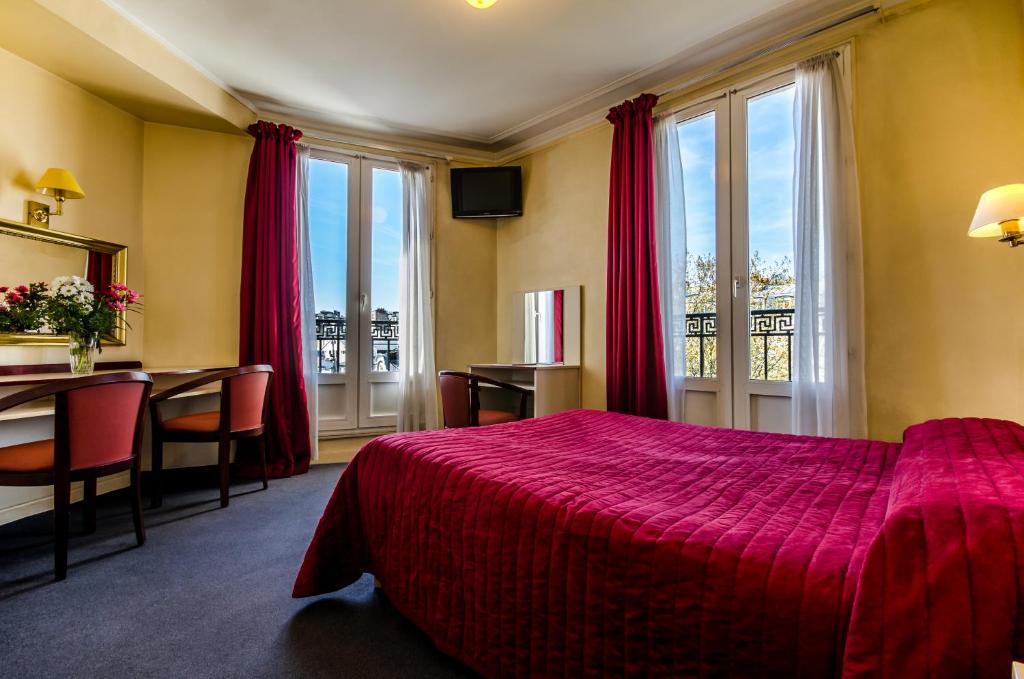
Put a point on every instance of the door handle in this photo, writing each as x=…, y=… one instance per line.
x=363, y=299
x=737, y=283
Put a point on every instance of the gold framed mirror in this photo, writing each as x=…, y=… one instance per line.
x=30, y=254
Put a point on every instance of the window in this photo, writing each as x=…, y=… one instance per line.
x=697, y=146
x=738, y=174
x=355, y=223
x=328, y=242
x=771, y=148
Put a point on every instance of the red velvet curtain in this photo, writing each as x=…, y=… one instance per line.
x=100, y=270
x=271, y=329
x=559, y=325
x=634, y=342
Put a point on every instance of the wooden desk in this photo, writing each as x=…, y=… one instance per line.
x=34, y=421
x=555, y=387
x=163, y=378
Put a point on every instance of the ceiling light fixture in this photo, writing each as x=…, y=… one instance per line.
x=481, y=4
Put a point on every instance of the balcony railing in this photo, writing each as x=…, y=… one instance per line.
x=330, y=343
x=771, y=344
x=331, y=333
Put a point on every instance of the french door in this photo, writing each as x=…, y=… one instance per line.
x=738, y=174
x=355, y=225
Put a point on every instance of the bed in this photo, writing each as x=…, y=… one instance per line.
x=596, y=544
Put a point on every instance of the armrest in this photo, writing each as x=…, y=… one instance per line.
x=156, y=399
x=61, y=386
x=31, y=394
x=190, y=385
x=498, y=383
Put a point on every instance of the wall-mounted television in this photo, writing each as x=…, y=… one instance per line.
x=487, y=191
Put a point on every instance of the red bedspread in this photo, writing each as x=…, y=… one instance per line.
x=596, y=544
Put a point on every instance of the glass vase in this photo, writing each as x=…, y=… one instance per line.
x=82, y=354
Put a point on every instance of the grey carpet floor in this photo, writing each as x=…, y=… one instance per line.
x=208, y=595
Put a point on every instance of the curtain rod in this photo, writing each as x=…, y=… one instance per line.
x=771, y=49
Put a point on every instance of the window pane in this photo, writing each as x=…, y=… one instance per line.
x=771, y=149
x=328, y=241
x=385, y=253
x=697, y=146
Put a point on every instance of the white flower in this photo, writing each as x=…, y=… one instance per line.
x=73, y=290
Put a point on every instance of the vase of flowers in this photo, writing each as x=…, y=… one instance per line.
x=82, y=353
x=74, y=308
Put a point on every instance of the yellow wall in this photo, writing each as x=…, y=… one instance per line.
x=193, y=195
x=940, y=94
x=465, y=259
x=46, y=121
x=561, y=241
x=194, y=189
x=940, y=90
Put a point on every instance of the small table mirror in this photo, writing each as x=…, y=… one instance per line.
x=547, y=326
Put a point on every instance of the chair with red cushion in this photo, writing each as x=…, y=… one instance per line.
x=244, y=396
x=460, y=400
x=98, y=423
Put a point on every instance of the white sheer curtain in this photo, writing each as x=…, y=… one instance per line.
x=670, y=222
x=417, y=385
x=828, y=354
x=307, y=304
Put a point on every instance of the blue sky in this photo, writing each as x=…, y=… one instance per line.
x=770, y=153
x=328, y=232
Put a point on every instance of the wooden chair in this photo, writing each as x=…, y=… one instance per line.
x=244, y=395
x=98, y=423
x=460, y=400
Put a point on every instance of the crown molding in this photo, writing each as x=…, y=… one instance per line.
x=192, y=63
x=358, y=139
x=582, y=111
x=699, y=66
x=796, y=14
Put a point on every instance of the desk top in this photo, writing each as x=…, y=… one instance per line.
x=44, y=407
x=39, y=378
x=523, y=366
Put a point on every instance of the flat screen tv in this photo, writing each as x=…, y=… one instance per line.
x=487, y=191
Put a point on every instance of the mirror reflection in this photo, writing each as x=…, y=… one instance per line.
x=549, y=323
x=36, y=261
x=30, y=255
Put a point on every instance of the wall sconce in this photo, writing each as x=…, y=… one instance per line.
x=60, y=184
x=999, y=214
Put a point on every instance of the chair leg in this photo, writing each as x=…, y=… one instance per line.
x=223, y=461
x=136, y=491
x=89, y=504
x=61, y=519
x=263, y=460
x=157, y=471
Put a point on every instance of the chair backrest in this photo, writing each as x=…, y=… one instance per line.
x=99, y=419
x=456, y=399
x=246, y=390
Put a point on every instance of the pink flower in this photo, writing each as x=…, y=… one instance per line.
x=23, y=289
x=13, y=297
x=133, y=297
x=3, y=289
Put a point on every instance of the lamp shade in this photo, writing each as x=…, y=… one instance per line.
x=999, y=205
x=58, y=179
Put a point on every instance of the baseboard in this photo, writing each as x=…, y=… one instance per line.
x=45, y=503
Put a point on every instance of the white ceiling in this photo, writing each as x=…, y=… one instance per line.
x=440, y=69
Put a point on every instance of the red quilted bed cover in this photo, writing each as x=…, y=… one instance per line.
x=596, y=544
